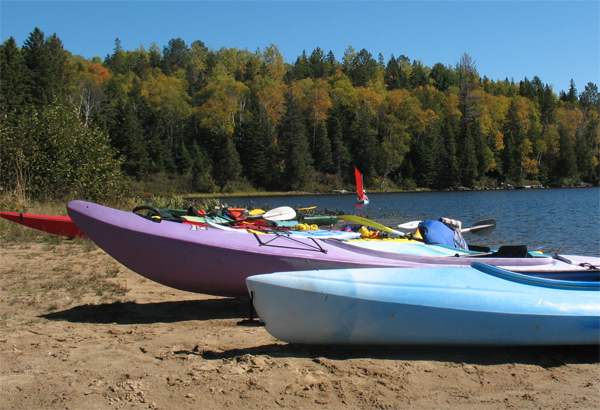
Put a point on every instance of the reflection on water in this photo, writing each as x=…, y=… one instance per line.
x=553, y=220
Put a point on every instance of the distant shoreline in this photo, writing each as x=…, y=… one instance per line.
x=508, y=187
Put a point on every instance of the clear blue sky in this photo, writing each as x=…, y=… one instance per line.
x=555, y=40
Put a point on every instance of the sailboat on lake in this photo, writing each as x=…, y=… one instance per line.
x=360, y=190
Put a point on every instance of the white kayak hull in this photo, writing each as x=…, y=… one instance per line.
x=432, y=306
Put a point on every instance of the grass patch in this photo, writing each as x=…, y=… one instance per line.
x=50, y=241
x=87, y=245
x=72, y=282
x=112, y=270
x=50, y=285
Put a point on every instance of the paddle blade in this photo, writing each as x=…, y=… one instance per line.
x=409, y=225
x=283, y=213
x=484, y=227
x=372, y=224
x=365, y=222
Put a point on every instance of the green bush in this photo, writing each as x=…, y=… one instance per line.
x=49, y=154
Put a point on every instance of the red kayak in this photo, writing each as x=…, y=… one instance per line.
x=57, y=225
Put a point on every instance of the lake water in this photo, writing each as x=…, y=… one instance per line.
x=552, y=220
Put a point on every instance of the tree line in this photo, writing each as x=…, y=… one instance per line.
x=228, y=120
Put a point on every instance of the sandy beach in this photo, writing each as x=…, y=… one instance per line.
x=80, y=331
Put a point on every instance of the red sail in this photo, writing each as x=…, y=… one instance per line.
x=360, y=191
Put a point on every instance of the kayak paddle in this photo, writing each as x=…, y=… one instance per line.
x=372, y=224
x=283, y=213
x=484, y=227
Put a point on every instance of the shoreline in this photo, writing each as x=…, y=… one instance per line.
x=344, y=192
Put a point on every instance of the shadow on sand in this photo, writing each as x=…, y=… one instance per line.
x=129, y=313
x=543, y=356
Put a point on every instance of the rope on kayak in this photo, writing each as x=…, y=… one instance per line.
x=280, y=235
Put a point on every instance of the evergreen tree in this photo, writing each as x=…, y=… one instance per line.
x=567, y=161
x=513, y=137
x=128, y=138
x=160, y=156
x=154, y=56
x=393, y=74
x=270, y=174
x=584, y=152
x=340, y=154
x=468, y=83
x=364, y=141
x=332, y=63
x=60, y=69
x=298, y=171
x=443, y=77
x=302, y=68
x=590, y=98
x=184, y=160
x=362, y=68
x=322, y=150
x=226, y=163
x=260, y=167
x=140, y=62
x=198, y=168
x=252, y=69
x=38, y=59
x=572, y=95
x=547, y=103
x=448, y=162
x=117, y=62
x=427, y=151
x=14, y=72
x=123, y=118
x=175, y=56
x=450, y=177
x=526, y=89
x=198, y=159
x=318, y=64
x=468, y=157
x=418, y=76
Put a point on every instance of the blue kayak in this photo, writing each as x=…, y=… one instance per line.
x=481, y=305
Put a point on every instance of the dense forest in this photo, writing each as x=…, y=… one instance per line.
x=190, y=119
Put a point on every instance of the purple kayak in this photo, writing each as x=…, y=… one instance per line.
x=217, y=262
x=206, y=260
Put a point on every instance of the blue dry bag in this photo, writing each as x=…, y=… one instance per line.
x=436, y=232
